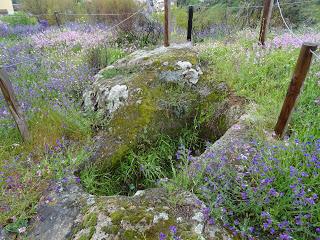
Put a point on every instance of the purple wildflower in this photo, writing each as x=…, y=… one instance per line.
x=173, y=229
x=284, y=236
x=273, y=192
x=162, y=236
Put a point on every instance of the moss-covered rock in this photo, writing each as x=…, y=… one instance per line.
x=147, y=214
x=150, y=92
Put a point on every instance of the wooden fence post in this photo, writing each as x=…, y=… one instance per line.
x=301, y=71
x=13, y=105
x=56, y=15
x=265, y=21
x=166, y=23
x=190, y=21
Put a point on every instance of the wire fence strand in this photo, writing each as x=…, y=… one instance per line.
x=258, y=6
x=94, y=14
x=291, y=31
x=47, y=39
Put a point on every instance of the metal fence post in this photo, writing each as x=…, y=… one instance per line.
x=166, y=23
x=190, y=22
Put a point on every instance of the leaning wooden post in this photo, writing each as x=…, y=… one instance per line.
x=13, y=105
x=190, y=19
x=166, y=23
x=265, y=21
x=301, y=71
x=56, y=15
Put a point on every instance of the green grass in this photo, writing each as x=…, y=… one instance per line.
x=54, y=148
x=27, y=168
x=19, y=18
x=58, y=135
x=264, y=81
x=142, y=167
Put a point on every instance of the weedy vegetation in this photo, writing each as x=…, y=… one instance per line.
x=276, y=193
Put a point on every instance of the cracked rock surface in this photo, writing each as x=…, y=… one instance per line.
x=74, y=214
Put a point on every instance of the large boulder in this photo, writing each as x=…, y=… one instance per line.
x=150, y=92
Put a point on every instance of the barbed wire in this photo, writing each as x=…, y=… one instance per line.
x=315, y=54
x=47, y=39
x=94, y=14
x=245, y=7
x=291, y=31
x=118, y=24
x=257, y=6
x=298, y=2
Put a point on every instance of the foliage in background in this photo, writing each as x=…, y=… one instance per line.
x=263, y=75
x=19, y=18
x=215, y=19
x=102, y=56
x=123, y=7
x=48, y=6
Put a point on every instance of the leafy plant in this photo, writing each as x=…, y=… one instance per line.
x=103, y=56
x=275, y=196
x=19, y=18
x=143, y=166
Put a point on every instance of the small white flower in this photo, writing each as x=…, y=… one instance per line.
x=22, y=230
x=39, y=173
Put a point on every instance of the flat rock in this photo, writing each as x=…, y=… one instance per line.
x=73, y=214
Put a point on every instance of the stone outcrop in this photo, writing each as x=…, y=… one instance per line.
x=73, y=214
x=150, y=92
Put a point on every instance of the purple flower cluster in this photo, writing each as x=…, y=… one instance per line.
x=21, y=30
x=173, y=234
x=72, y=35
x=56, y=78
x=288, y=40
x=274, y=192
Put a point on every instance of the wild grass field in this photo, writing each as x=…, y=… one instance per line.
x=277, y=197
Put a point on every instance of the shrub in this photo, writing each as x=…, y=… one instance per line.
x=47, y=6
x=102, y=56
x=138, y=30
x=145, y=32
x=19, y=18
x=123, y=7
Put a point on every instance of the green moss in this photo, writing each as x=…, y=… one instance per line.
x=133, y=216
x=165, y=109
x=131, y=234
x=90, y=220
x=92, y=231
x=179, y=55
x=117, y=216
x=135, y=119
x=110, y=73
x=114, y=229
x=186, y=235
x=161, y=226
x=84, y=237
